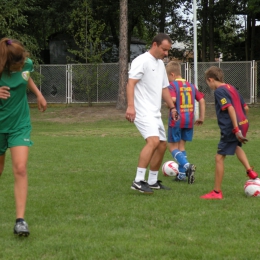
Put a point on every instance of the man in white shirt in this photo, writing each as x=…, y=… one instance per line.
x=147, y=86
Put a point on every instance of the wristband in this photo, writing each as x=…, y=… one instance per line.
x=235, y=130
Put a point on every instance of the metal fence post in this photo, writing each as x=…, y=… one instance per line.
x=252, y=87
x=69, y=84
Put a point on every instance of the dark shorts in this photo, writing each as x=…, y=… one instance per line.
x=19, y=138
x=175, y=134
x=228, y=148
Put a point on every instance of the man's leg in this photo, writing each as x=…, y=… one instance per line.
x=155, y=165
x=145, y=157
x=148, y=151
x=157, y=156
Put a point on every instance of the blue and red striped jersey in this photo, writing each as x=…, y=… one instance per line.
x=225, y=96
x=185, y=94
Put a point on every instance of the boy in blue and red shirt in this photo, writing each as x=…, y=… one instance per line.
x=184, y=95
x=231, y=112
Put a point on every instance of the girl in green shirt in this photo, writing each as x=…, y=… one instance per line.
x=15, y=124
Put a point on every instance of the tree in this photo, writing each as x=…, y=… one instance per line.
x=13, y=21
x=87, y=33
x=123, y=55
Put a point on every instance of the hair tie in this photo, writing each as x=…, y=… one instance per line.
x=9, y=42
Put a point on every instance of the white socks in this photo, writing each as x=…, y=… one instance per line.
x=140, y=174
x=153, y=176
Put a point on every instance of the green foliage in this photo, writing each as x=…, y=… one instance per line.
x=87, y=33
x=35, y=22
x=88, y=36
x=14, y=21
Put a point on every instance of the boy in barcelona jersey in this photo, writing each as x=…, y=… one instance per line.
x=183, y=94
x=231, y=111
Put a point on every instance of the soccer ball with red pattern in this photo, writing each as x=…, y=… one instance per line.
x=252, y=188
x=170, y=168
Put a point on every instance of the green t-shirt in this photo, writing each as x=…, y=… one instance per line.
x=14, y=111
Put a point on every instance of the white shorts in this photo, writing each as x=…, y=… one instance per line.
x=151, y=126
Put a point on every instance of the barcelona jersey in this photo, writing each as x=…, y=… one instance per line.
x=185, y=94
x=225, y=96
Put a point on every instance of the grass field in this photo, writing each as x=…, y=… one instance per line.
x=80, y=205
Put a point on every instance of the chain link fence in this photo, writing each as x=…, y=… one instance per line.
x=99, y=83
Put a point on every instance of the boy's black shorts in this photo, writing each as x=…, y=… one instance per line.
x=228, y=148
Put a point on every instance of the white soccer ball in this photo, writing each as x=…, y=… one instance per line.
x=170, y=168
x=252, y=188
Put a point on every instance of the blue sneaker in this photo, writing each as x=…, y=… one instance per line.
x=180, y=177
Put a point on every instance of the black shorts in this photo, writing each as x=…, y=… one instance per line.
x=228, y=148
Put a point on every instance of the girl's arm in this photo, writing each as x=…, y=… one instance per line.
x=42, y=104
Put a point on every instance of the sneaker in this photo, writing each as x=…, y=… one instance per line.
x=180, y=177
x=212, y=196
x=158, y=186
x=21, y=229
x=142, y=186
x=190, y=173
x=251, y=174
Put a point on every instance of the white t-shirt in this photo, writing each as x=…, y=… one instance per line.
x=148, y=90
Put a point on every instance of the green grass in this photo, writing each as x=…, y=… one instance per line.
x=80, y=205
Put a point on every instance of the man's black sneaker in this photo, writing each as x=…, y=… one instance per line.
x=190, y=172
x=158, y=186
x=142, y=186
x=21, y=229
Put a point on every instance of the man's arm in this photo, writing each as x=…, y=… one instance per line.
x=130, y=111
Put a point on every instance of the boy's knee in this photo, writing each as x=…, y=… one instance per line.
x=219, y=158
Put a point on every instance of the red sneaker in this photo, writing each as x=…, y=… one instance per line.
x=251, y=174
x=212, y=196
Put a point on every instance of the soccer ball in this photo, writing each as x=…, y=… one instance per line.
x=252, y=188
x=170, y=168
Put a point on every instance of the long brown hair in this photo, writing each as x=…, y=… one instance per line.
x=11, y=52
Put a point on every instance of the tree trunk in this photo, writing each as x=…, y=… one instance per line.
x=204, y=30
x=211, y=31
x=162, y=16
x=123, y=55
x=248, y=36
x=252, y=53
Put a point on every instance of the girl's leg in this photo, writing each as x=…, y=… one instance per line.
x=2, y=163
x=19, y=156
